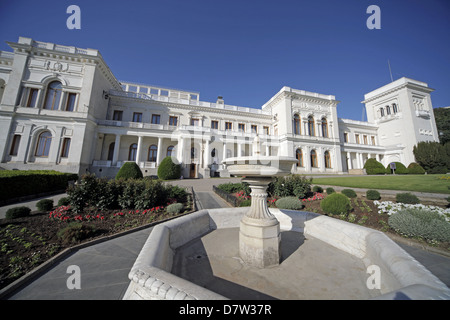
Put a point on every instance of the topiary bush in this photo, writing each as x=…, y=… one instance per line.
x=415, y=168
x=407, y=197
x=129, y=170
x=317, y=189
x=336, y=203
x=330, y=190
x=399, y=168
x=175, y=208
x=372, y=166
x=349, y=193
x=17, y=212
x=373, y=195
x=414, y=222
x=290, y=203
x=168, y=170
x=45, y=205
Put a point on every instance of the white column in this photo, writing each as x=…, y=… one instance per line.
x=349, y=161
x=158, y=152
x=139, y=149
x=307, y=159
x=207, y=155
x=239, y=149
x=377, y=157
x=224, y=150
x=180, y=150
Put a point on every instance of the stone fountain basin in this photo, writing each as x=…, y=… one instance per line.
x=401, y=275
x=259, y=166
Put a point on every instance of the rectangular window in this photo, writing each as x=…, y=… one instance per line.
x=357, y=138
x=32, y=98
x=137, y=117
x=241, y=127
x=365, y=139
x=71, y=98
x=215, y=124
x=195, y=122
x=254, y=128
x=373, y=140
x=117, y=116
x=345, y=137
x=173, y=121
x=65, y=148
x=228, y=126
x=15, y=145
x=266, y=130
x=156, y=119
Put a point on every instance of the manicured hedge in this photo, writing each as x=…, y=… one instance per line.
x=372, y=166
x=20, y=183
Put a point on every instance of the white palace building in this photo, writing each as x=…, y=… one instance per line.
x=62, y=108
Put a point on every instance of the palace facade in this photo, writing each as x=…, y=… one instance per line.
x=62, y=108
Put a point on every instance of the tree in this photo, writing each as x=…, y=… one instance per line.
x=431, y=156
x=129, y=170
x=442, y=117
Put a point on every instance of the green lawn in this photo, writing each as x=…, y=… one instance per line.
x=421, y=183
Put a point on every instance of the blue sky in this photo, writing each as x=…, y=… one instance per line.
x=247, y=50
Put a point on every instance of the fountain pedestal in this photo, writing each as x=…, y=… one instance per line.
x=259, y=236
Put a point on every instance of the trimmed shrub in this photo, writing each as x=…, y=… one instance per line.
x=336, y=203
x=399, y=168
x=17, y=212
x=175, y=208
x=45, y=205
x=291, y=203
x=350, y=193
x=407, y=197
x=168, y=170
x=317, y=189
x=373, y=195
x=422, y=223
x=415, y=168
x=64, y=201
x=235, y=187
x=75, y=232
x=330, y=190
x=372, y=166
x=129, y=170
x=290, y=186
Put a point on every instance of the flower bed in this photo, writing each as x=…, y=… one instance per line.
x=389, y=208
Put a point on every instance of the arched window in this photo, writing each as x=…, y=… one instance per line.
x=381, y=112
x=327, y=159
x=388, y=110
x=394, y=108
x=213, y=152
x=296, y=124
x=311, y=131
x=170, y=150
x=299, y=156
x=54, y=92
x=152, y=151
x=325, y=127
x=313, y=159
x=111, y=151
x=43, y=144
x=132, y=152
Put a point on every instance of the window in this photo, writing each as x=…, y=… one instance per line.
x=193, y=153
x=297, y=124
x=327, y=159
x=170, y=150
x=373, y=140
x=365, y=139
x=173, y=121
x=32, y=98
x=325, y=127
x=215, y=124
x=137, y=117
x=111, y=151
x=381, y=112
x=241, y=127
x=15, y=145
x=313, y=158
x=388, y=110
x=156, y=119
x=394, y=108
x=152, y=152
x=195, y=122
x=228, y=126
x=43, y=144
x=299, y=157
x=357, y=138
x=71, y=98
x=65, y=148
x=53, y=96
x=132, y=152
x=311, y=130
x=254, y=128
x=117, y=116
x=345, y=137
x=266, y=130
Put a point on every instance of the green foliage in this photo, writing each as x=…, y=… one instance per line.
x=372, y=166
x=336, y=203
x=75, y=232
x=19, y=183
x=290, y=186
x=399, y=168
x=168, y=170
x=175, y=208
x=45, y=205
x=317, y=189
x=415, y=168
x=442, y=117
x=373, y=195
x=290, y=203
x=245, y=203
x=129, y=170
x=235, y=187
x=64, y=201
x=433, y=156
x=330, y=190
x=422, y=223
x=350, y=193
x=407, y=197
x=17, y=212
